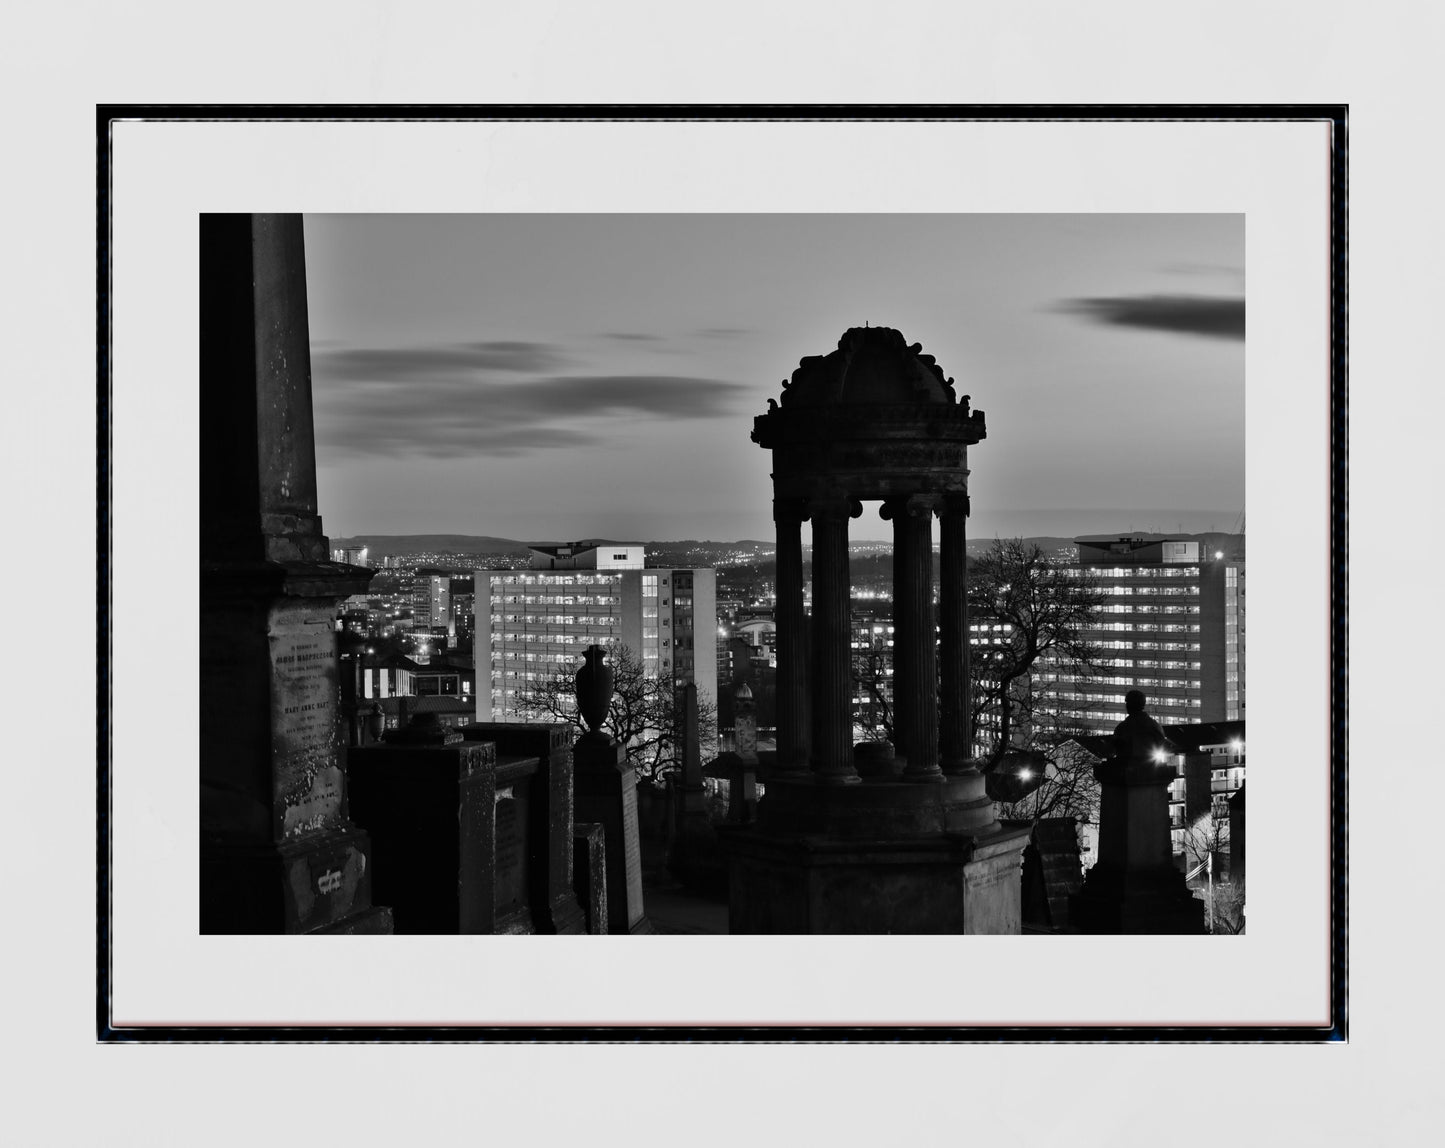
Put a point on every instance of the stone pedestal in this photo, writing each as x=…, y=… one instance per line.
x=882, y=857
x=606, y=793
x=554, y=901
x=447, y=842
x=278, y=850
x=1134, y=887
x=589, y=874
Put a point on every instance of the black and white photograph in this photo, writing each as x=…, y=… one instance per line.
x=533, y=602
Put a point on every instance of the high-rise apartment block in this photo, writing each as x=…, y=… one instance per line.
x=533, y=624
x=1172, y=625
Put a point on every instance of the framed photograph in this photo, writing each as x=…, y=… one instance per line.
x=1147, y=303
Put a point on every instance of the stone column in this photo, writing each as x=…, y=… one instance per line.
x=955, y=687
x=915, y=657
x=832, y=677
x=792, y=645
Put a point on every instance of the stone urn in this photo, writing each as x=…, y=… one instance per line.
x=594, y=690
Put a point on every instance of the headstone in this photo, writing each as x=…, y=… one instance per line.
x=550, y=817
x=445, y=833
x=278, y=851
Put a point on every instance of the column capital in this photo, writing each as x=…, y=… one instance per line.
x=911, y=506
x=955, y=506
x=834, y=505
x=794, y=509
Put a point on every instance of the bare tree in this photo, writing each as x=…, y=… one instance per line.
x=645, y=714
x=1034, y=613
x=1038, y=610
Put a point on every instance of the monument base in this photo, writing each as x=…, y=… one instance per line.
x=883, y=857
x=316, y=883
x=1118, y=901
x=606, y=794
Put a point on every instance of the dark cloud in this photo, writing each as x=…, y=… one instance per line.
x=631, y=337
x=388, y=364
x=442, y=413
x=722, y=332
x=1185, y=314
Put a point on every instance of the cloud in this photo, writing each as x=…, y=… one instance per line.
x=386, y=364
x=722, y=332
x=445, y=404
x=631, y=337
x=1220, y=318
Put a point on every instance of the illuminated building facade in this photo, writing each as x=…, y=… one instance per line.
x=532, y=625
x=1172, y=625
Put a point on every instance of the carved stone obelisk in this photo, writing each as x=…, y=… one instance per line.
x=279, y=853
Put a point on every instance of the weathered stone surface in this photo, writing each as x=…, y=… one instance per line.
x=606, y=791
x=589, y=874
x=551, y=816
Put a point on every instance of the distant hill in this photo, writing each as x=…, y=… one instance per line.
x=402, y=544
x=380, y=544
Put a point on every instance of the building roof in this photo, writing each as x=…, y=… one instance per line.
x=873, y=365
x=1193, y=737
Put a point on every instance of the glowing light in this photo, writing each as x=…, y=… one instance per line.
x=1160, y=756
x=1026, y=775
x=1236, y=746
x=1219, y=554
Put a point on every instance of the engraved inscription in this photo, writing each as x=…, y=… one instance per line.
x=305, y=765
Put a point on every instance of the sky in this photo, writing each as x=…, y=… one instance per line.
x=579, y=376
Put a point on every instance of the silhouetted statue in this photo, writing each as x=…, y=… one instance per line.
x=1138, y=736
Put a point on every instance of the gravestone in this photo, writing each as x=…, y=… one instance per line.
x=1134, y=887
x=548, y=814
x=278, y=851
x=445, y=832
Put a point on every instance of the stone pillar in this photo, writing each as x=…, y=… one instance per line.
x=792, y=645
x=606, y=789
x=832, y=677
x=955, y=700
x=915, y=658
x=278, y=851
x=1134, y=887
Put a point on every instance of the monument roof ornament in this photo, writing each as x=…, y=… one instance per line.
x=875, y=418
x=872, y=365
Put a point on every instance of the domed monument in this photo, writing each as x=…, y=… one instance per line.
x=915, y=849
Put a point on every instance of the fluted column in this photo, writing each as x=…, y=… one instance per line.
x=915, y=656
x=953, y=671
x=832, y=679
x=792, y=645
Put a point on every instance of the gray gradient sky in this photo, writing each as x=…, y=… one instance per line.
x=571, y=376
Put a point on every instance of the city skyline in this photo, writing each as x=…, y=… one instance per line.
x=544, y=376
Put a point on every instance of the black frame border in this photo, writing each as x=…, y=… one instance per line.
x=1335, y=1031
